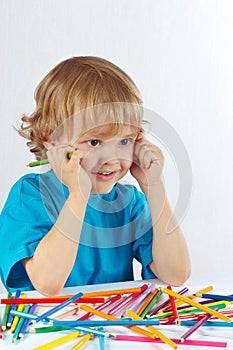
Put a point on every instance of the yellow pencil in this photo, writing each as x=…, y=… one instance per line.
x=189, y=309
x=16, y=318
x=191, y=296
x=113, y=318
x=82, y=342
x=159, y=334
x=197, y=305
x=57, y=342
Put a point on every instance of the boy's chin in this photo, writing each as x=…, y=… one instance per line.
x=102, y=189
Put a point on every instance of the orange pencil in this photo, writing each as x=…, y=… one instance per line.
x=113, y=292
x=147, y=301
x=113, y=318
x=159, y=334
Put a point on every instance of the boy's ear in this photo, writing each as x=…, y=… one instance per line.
x=139, y=136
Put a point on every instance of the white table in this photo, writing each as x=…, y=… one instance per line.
x=222, y=284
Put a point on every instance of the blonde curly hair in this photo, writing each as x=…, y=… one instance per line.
x=74, y=85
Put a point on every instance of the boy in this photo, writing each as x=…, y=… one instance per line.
x=76, y=224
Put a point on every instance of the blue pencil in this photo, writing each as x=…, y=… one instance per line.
x=13, y=307
x=58, y=307
x=95, y=323
x=215, y=296
x=101, y=340
x=207, y=323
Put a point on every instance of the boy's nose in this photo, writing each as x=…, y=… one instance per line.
x=110, y=153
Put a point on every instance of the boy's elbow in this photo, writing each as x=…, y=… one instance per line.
x=48, y=289
x=181, y=277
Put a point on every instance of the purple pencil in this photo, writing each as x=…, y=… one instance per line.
x=27, y=321
x=194, y=328
x=135, y=305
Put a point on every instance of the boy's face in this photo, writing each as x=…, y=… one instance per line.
x=108, y=155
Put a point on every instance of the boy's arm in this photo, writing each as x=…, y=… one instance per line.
x=171, y=262
x=55, y=255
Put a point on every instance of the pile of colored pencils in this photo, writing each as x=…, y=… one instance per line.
x=143, y=311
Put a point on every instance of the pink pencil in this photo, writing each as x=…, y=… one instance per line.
x=101, y=307
x=126, y=301
x=157, y=340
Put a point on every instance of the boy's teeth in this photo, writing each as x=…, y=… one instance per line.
x=106, y=173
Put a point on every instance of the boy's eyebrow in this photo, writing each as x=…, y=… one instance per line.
x=96, y=136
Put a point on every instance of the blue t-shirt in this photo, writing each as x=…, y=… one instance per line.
x=117, y=228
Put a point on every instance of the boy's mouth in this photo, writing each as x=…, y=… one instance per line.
x=105, y=175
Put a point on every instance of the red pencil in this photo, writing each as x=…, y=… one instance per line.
x=173, y=306
x=56, y=300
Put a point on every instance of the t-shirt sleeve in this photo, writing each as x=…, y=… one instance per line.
x=143, y=232
x=22, y=226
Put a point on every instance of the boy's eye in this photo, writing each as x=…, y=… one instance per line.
x=93, y=143
x=124, y=142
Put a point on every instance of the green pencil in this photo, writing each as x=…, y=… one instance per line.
x=20, y=324
x=151, y=304
x=47, y=329
x=44, y=161
x=6, y=313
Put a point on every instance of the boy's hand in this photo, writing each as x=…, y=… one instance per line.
x=148, y=162
x=69, y=171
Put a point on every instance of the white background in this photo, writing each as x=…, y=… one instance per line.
x=179, y=53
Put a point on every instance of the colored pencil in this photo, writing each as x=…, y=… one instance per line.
x=194, y=328
x=215, y=296
x=193, y=295
x=93, y=331
x=19, y=325
x=113, y=318
x=207, y=324
x=151, y=304
x=159, y=334
x=107, y=303
x=115, y=309
x=0, y=327
x=58, y=307
x=44, y=161
x=6, y=313
x=110, y=322
x=27, y=321
x=57, y=342
x=197, y=305
x=147, y=301
x=173, y=306
x=166, y=304
x=192, y=310
x=135, y=304
x=47, y=329
x=101, y=340
x=82, y=342
x=42, y=301
x=67, y=314
x=198, y=343
x=13, y=307
x=113, y=292
x=16, y=318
